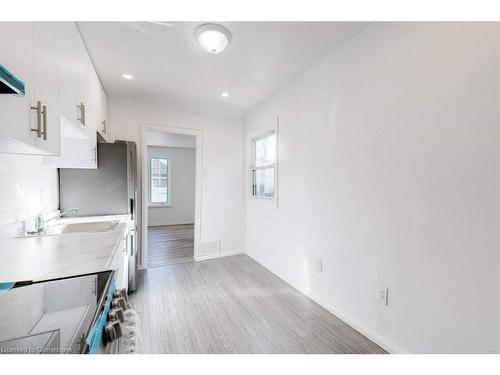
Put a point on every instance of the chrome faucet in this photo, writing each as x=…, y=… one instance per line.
x=40, y=222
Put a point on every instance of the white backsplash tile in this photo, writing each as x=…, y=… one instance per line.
x=27, y=187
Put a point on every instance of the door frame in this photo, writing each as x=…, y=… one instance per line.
x=144, y=171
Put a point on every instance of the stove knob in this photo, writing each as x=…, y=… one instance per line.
x=116, y=314
x=112, y=331
x=109, y=332
x=121, y=293
x=119, y=303
x=118, y=329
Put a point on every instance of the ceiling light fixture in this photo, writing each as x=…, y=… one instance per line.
x=212, y=37
x=127, y=76
x=224, y=94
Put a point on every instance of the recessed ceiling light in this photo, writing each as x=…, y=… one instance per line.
x=224, y=94
x=212, y=37
x=127, y=76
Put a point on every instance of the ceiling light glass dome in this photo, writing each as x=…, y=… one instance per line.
x=212, y=37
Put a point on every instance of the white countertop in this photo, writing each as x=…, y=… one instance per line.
x=125, y=218
x=69, y=254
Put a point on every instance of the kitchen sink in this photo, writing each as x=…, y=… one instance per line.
x=66, y=228
x=102, y=226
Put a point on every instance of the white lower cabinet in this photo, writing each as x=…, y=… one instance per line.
x=120, y=263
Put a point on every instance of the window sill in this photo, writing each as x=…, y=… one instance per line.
x=159, y=205
x=262, y=197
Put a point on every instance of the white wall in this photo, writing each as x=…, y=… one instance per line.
x=182, y=163
x=163, y=139
x=389, y=173
x=222, y=207
x=27, y=187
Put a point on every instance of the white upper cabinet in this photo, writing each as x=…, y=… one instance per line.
x=64, y=105
x=85, y=91
x=29, y=124
x=97, y=105
x=87, y=111
x=46, y=85
x=16, y=54
x=103, y=112
x=68, y=74
x=78, y=130
x=81, y=112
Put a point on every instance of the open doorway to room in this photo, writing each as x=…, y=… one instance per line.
x=170, y=189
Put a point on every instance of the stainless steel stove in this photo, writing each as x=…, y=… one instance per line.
x=82, y=314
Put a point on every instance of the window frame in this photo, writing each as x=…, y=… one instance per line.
x=168, y=203
x=254, y=168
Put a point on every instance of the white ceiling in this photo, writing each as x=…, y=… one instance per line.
x=162, y=139
x=169, y=65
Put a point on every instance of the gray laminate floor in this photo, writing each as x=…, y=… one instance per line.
x=234, y=305
x=168, y=244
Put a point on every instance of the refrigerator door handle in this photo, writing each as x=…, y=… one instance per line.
x=132, y=208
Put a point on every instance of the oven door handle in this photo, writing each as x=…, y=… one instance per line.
x=94, y=337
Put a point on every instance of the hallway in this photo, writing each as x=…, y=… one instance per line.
x=169, y=244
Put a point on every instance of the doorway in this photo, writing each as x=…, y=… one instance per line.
x=171, y=161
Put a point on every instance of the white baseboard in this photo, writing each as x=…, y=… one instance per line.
x=382, y=341
x=376, y=337
x=218, y=255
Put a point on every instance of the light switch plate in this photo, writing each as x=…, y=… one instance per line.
x=319, y=265
x=383, y=295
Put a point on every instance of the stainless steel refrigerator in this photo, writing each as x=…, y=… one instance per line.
x=110, y=189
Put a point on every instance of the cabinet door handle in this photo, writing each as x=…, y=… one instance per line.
x=82, y=113
x=94, y=154
x=38, y=110
x=44, y=116
x=80, y=109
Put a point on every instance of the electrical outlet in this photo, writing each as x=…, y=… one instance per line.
x=383, y=295
x=319, y=265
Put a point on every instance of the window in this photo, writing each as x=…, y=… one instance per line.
x=264, y=166
x=159, y=180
